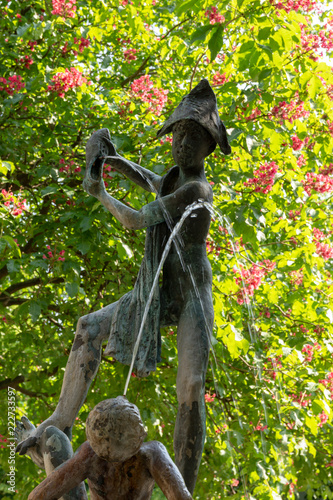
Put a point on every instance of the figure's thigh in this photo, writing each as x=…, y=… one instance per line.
x=193, y=342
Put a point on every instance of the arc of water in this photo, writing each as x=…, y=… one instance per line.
x=176, y=229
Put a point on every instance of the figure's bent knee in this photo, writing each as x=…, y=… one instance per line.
x=88, y=330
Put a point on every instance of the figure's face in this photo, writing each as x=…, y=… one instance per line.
x=191, y=143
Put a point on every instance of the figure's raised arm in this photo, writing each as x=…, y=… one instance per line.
x=65, y=477
x=100, y=149
x=165, y=472
x=172, y=205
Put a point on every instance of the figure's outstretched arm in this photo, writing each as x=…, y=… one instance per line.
x=141, y=176
x=155, y=212
x=65, y=477
x=166, y=473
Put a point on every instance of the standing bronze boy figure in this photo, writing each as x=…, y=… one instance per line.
x=185, y=297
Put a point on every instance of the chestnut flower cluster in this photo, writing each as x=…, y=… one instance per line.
x=13, y=84
x=64, y=8
x=250, y=279
x=301, y=399
x=298, y=143
x=69, y=168
x=14, y=205
x=143, y=89
x=220, y=79
x=322, y=249
x=328, y=383
x=69, y=79
x=289, y=111
x=308, y=350
x=296, y=5
x=54, y=255
x=214, y=16
x=317, y=182
x=263, y=179
x=129, y=55
x=296, y=277
x=82, y=43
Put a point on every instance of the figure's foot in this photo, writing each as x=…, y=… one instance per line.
x=28, y=438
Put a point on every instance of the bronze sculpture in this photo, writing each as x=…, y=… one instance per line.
x=115, y=460
x=185, y=297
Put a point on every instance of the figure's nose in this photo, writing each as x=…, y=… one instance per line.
x=185, y=140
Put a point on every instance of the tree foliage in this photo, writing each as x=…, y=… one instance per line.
x=71, y=68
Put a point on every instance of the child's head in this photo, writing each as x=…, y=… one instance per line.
x=115, y=430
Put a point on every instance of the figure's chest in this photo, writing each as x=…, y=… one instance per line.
x=130, y=481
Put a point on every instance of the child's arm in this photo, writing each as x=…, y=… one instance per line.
x=165, y=472
x=65, y=477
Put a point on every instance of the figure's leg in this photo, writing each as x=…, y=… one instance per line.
x=195, y=325
x=82, y=366
x=56, y=449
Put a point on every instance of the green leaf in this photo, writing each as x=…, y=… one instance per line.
x=12, y=244
x=49, y=190
x=215, y=43
x=84, y=246
x=96, y=32
x=34, y=310
x=72, y=289
x=188, y=6
x=6, y=166
x=233, y=133
x=201, y=33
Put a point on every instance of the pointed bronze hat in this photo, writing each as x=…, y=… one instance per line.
x=200, y=105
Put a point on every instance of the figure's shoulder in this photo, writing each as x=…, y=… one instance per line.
x=153, y=449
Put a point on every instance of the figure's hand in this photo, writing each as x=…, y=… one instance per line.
x=95, y=188
x=27, y=436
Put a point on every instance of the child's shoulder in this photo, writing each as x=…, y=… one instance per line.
x=152, y=449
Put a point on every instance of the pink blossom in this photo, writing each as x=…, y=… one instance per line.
x=250, y=279
x=32, y=44
x=297, y=143
x=301, y=399
x=220, y=79
x=15, y=205
x=317, y=182
x=323, y=418
x=263, y=179
x=82, y=43
x=324, y=250
x=64, y=8
x=296, y=277
x=296, y=5
x=301, y=161
x=255, y=113
x=13, y=84
x=214, y=16
x=144, y=90
x=129, y=55
x=210, y=398
x=69, y=79
x=234, y=482
x=289, y=111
